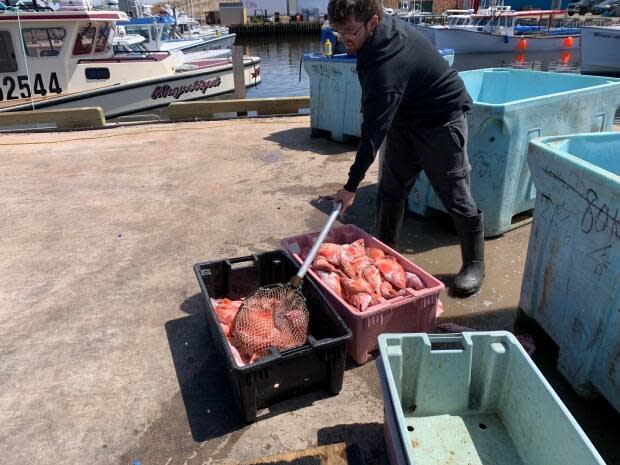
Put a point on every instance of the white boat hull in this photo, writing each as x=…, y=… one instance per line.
x=600, y=50
x=205, y=55
x=469, y=41
x=130, y=98
x=200, y=45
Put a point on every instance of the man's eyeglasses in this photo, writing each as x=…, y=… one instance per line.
x=351, y=35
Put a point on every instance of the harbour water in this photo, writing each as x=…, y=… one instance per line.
x=281, y=57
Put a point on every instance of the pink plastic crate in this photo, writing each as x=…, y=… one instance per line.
x=415, y=312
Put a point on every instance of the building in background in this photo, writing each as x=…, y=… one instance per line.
x=233, y=13
x=195, y=8
x=285, y=7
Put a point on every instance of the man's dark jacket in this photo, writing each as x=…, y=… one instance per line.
x=404, y=80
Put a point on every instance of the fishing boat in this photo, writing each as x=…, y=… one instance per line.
x=501, y=30
x=600, y=50
x=412, y=12
x=160, y=34
x=133, y=44
x=60, y=59
x=414, y=17
x=189, y=28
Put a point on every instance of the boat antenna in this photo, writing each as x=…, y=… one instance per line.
x=19, y=25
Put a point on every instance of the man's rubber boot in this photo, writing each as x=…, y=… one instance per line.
x=471, y=234
x=389, y=221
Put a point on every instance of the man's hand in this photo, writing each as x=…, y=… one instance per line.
x=343, y=196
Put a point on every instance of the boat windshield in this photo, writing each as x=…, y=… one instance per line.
x=84, y=40
x=102, y=38
x=506, y=21
x=495, y=22
x=138, y=48
x=139, y=30
x=458, y=20
x=43, y=42
x=481, y=21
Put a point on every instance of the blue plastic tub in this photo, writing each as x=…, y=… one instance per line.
x=511, y=107
x=336, y=95
x=571, y=283
x=473, y=398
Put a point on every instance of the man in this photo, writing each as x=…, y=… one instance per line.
x=411, y=95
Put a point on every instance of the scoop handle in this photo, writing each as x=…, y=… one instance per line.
x=319, y=240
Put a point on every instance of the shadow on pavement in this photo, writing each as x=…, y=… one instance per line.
x=368, y=437
x=301, y=139
x=203, y=378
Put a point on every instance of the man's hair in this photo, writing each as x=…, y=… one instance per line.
x=362, y=10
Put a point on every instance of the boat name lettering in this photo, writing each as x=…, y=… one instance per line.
x=176, y=92
x=19, y=87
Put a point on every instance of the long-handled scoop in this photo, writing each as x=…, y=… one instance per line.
x=297, y=280
x=276, y=315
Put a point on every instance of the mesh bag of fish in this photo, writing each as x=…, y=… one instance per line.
x=373, y=288
x=285, y=346
x=279, y=323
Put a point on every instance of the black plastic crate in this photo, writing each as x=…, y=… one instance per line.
x=319, y=364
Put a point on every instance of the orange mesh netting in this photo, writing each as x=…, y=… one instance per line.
x=275, y=316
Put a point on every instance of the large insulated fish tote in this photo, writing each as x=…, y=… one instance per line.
x=571, y=282
x=511, y=107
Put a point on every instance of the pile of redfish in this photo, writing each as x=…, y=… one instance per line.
x=363, y=276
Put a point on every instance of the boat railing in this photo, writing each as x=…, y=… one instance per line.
x=22, y=6
x=597, y=21
x=120, y=56
x=556, y=24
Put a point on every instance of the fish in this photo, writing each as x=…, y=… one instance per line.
x=363, y=301
x=270, y=323
x=225, y=329
x=236, y=355
x=377, y=299
x=355, y=286
x=226, y=310
x=392, y=272
x=297, y=323
x=255, y=330
x=332, y=280
x=359, y=246
x=346, y=264
x=360, y=301
x=321, y=263
x=387, y=291
x=373, y=277
x=414, y=281
x=375, y=253
x=359, y=264
x=331, y=252
x=348, y=254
